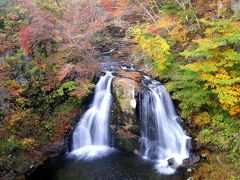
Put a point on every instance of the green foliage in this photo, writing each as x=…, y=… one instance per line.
x=170, y=8
x=9, y=147
x=182, y=9
x=223, y=133
x=220, y=67
x=51, y=6
x=188, y=88
x=49, y=110
x=66, y=87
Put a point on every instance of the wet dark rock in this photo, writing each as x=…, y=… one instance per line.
x=171, y=162
x=117, y=32
x=53, y=150
x=193, y=159
x=24, y=167
x=22, y=80
x=125, y=142
x=10, y=176
x=195, y=145
x=3, y=169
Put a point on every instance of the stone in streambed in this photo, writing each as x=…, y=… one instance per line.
x=56, y=149
x=193, y=159
x=126, y=141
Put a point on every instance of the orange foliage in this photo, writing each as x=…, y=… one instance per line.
x=13, y=87
x=63, y=125
x=25, y=39
x=43, y=66
x=64, y=71
x=106, y=3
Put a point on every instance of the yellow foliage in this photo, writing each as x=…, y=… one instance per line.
x=229, y=98
x=17, y=117
x=219, y=62
x=223, y=83
x=154, y=47
x=202, y=119
x=173, y=27
x=29, y=143
x=14, y=87
x=180, y=33
x=166, y=22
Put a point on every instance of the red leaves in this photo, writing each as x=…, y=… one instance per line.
x=26, y=39
x=43, y=66
x=64, y=72
x=106, y=3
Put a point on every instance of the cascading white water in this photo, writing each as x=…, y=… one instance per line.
x=91, y=136
x=162, y=137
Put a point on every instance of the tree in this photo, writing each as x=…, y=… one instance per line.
x=218, y=62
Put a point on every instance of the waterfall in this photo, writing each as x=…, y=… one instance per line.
x=162, y=138
x=91, y=136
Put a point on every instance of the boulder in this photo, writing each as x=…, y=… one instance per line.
x=124, y=106
x=126, y=141
x=56, y=149
x=11, y=176
x=125, y=124
x=133, y=75
x=171, y=162
x=193, y=159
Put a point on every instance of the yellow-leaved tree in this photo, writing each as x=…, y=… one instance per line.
x=218, y=62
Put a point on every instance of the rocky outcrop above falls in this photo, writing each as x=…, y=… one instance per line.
x=125, y=124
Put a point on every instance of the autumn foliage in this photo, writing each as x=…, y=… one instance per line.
x=47, y=64
x=194, y=47
x=26, y=39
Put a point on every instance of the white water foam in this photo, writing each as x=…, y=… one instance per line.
x=162, y=137
x=91, y=136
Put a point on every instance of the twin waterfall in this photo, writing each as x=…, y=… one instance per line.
x=162, y=138
x=91, y=136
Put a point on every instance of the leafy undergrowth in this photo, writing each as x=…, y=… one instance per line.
x=216, y=166
x=26, y=128
x=33, y=130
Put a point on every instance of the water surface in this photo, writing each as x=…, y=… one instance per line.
x=116, y=166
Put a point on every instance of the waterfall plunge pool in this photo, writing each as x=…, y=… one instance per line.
x=117, y=165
